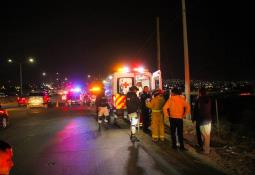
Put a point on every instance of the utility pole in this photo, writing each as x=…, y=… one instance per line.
x=158, y=55
x=158, y=45
x=186, y=53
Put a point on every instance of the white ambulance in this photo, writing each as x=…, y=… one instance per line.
x=117, y=85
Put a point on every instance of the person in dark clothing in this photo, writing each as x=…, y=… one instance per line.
x=194, y=119
x=146, y=114
x=133, y=107
x=203, y=118
x=102, y=108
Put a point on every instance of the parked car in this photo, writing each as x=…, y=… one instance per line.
x=38, y=100
x=22, y=100
x=4, y=118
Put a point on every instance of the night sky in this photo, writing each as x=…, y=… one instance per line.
x=76, y=38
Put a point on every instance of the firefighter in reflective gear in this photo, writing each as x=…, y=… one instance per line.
x=157, y=119
x=133, y=107
x=102, y=108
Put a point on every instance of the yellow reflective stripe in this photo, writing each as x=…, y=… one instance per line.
x=155, y=110
x=120, y=100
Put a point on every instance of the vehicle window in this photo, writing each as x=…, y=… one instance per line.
x=124, y=84
x=142, y=81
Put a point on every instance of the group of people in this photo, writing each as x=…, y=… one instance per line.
x=155, y=109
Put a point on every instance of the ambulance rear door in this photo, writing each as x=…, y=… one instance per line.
x=156, y=80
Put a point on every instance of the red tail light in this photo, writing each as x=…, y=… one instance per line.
x=46, y=99
x=2, y=112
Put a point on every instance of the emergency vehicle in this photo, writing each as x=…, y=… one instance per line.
x=117, y=85
x=95, y=88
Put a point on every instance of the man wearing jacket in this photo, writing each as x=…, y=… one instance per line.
x=176, y=108
x=133, y=107
x=203, y=117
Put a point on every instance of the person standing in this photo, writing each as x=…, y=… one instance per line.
x=176, y=108
x=203, y=119
x=145, y=111
x=102, y=108
x=157, y=121
x=6, y=154
x=133, y=107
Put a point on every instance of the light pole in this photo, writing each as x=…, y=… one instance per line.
x=186, y=52
x=30, y=60
x=43, y=76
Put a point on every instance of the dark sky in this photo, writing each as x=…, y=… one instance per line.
x=76, y=38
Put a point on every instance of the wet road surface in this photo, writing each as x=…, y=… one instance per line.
x=67, y=142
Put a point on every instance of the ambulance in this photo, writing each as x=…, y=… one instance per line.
x=117, y=85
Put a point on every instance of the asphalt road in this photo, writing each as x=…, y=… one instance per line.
x=67, y=142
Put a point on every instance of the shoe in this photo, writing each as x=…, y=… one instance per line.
x=105, y=120
x=133, y=138
x=155, y=140
x=99, y=121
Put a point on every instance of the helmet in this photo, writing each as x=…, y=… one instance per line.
x=157, y=92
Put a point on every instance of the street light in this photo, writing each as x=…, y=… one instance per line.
x=30, y=60
x=44, y=74
x=10, y=60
